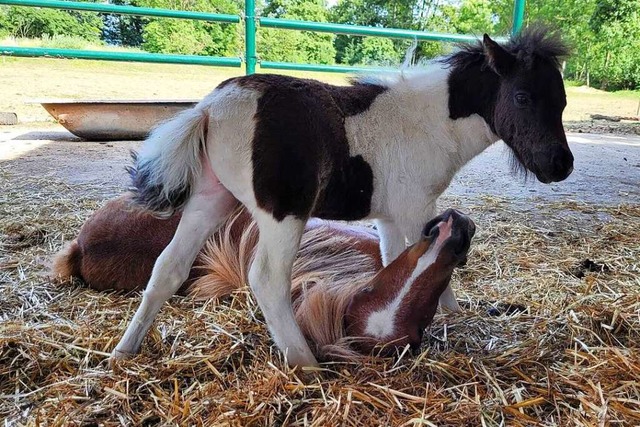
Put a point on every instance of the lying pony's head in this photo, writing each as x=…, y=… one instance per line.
x=401, y=300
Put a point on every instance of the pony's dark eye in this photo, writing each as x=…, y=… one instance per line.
x=522, y=99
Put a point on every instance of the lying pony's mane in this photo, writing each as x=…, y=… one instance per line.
x=320, y=270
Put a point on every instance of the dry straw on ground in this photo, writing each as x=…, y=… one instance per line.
x=571, y=358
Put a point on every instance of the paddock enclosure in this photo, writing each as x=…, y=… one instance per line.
x=569, y=253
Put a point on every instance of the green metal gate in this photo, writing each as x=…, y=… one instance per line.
x=251, y=23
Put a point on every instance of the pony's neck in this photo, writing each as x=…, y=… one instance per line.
x=473, y=89
x=461, y=100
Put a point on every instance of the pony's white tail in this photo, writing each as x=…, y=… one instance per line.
x=168, y=162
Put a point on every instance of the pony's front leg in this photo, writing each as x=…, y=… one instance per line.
x=270, y=281
x=392, y=240
x=202, y=215
x=448, y=300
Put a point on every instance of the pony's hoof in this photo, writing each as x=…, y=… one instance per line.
x=451, y=307
x=302, y=359
x=118, y=355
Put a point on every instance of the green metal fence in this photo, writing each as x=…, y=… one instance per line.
x=251, y=23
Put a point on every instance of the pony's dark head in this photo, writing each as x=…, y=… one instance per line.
x=522, y=97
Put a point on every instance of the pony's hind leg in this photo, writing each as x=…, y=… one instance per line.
x=270, y=281
x=205, y=211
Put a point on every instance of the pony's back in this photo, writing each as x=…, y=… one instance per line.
x=116, y=247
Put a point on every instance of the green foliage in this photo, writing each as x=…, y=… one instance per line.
x=174, y=37
x=37, y=22
x=123, y=30
x=616, y=29
x=191, y=37
x=473, y=16
x=371, y=51
x=4, y=22
x=470, y=17
x=296, y=46
x=60, y=41
x=604, y=34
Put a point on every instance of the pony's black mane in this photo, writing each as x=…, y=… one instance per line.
x=535, y=42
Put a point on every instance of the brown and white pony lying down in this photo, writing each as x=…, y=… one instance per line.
x=344, y=301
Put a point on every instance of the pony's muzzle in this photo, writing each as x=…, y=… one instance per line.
x=554, y=167
x=461, y=229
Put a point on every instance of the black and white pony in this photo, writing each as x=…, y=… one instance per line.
x=289, y=149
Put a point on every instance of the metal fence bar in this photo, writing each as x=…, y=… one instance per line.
x=251, y=56
x=360, y=30
x=518, y=16
x=249, y=20
x=120, y=56
x=313, y=67
x=126, y=10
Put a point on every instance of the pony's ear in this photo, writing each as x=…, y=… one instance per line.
x=498, y=59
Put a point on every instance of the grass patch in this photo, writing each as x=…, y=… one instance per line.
x=64, y=42
x=628, y=93
x=37, y=78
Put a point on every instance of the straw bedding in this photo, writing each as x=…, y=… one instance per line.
x=572, y=357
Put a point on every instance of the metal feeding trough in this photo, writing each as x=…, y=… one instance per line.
x=113, y=120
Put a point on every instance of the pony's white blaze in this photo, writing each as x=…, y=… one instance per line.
x=381, y=323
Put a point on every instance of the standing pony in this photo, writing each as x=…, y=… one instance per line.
x=345, y=302
x=289, y=149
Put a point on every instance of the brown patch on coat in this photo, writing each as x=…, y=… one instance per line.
x=116, y=247
x=337, y=278
x=450, y=235
x=302, y=164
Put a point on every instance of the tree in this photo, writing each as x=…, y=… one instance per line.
x=604, y=36
x=431, y=15
x=616, y=28
x=191, y=37
x=371, y=51
x=37, y=22
x=296, y=46
x=123, y=30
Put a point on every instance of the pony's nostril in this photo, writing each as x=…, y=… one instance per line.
x=563, y=161
x=431, y=229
